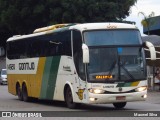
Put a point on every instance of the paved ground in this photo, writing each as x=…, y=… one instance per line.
x=7, y=99
x=153, y=97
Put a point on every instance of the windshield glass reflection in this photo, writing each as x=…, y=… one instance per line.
x=116, y=64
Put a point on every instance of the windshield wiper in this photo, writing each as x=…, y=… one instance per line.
x=111, y=69
x=129, y=74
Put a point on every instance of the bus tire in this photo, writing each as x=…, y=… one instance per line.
x=69, y=98
x=25, y=93
x=119, y=105
x=19, y=92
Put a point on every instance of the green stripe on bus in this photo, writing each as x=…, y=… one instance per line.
x=129, y=84
x=120, y=85
x=45, y=77
x=53, y=77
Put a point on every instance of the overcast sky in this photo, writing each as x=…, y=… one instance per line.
x=146, y=6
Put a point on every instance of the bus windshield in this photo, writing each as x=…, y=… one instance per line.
x=115, y=61
x=112, y=37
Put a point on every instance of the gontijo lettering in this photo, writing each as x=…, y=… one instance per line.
x=27, y=66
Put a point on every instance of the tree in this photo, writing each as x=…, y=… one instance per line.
x=94, y=10
x=23, y=16
x=147, y=22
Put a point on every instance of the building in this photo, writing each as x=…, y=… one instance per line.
x=154, y=27
x=154, y=37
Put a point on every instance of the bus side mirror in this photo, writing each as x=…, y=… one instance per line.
x=85, y=53
x=2, y=52
x=151, y=50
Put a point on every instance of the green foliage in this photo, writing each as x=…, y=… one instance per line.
x=147, y=22
x=23, y=16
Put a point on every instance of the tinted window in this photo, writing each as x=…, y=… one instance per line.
x=112, y=37
x=110, y=65
x=41, y=46
x=77, y=53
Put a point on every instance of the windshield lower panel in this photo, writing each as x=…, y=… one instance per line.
x=116, y=64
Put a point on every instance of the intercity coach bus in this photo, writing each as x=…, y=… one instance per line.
x=91, y=63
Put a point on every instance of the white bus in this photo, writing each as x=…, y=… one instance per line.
x=92, y=63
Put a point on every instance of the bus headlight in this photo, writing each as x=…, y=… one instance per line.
x=96, y=91
x=140, y=89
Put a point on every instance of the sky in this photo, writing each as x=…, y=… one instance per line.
x=145, y=6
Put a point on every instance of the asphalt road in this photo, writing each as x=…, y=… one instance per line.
x=10, y=102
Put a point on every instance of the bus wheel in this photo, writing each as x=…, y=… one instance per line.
x=25, y=93
x=119, y=105
x=69, y=99
x=19, y=92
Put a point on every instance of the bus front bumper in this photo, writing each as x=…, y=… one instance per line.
x=114, y=98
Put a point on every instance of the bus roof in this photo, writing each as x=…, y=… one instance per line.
x=80, y=27
x=95, y=26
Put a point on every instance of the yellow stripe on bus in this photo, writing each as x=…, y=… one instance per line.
x=33, y=81
x=135, y=83
x=39, y=75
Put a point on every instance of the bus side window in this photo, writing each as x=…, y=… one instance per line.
x=64, y=40
x=16, y=50
x=22, y=49
x=52, y=46
x=9, y=51
x=36, y=47
x=77, y=54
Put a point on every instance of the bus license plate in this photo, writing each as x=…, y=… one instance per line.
x=121, y=98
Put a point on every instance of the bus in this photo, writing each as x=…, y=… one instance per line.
x=91, y=63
